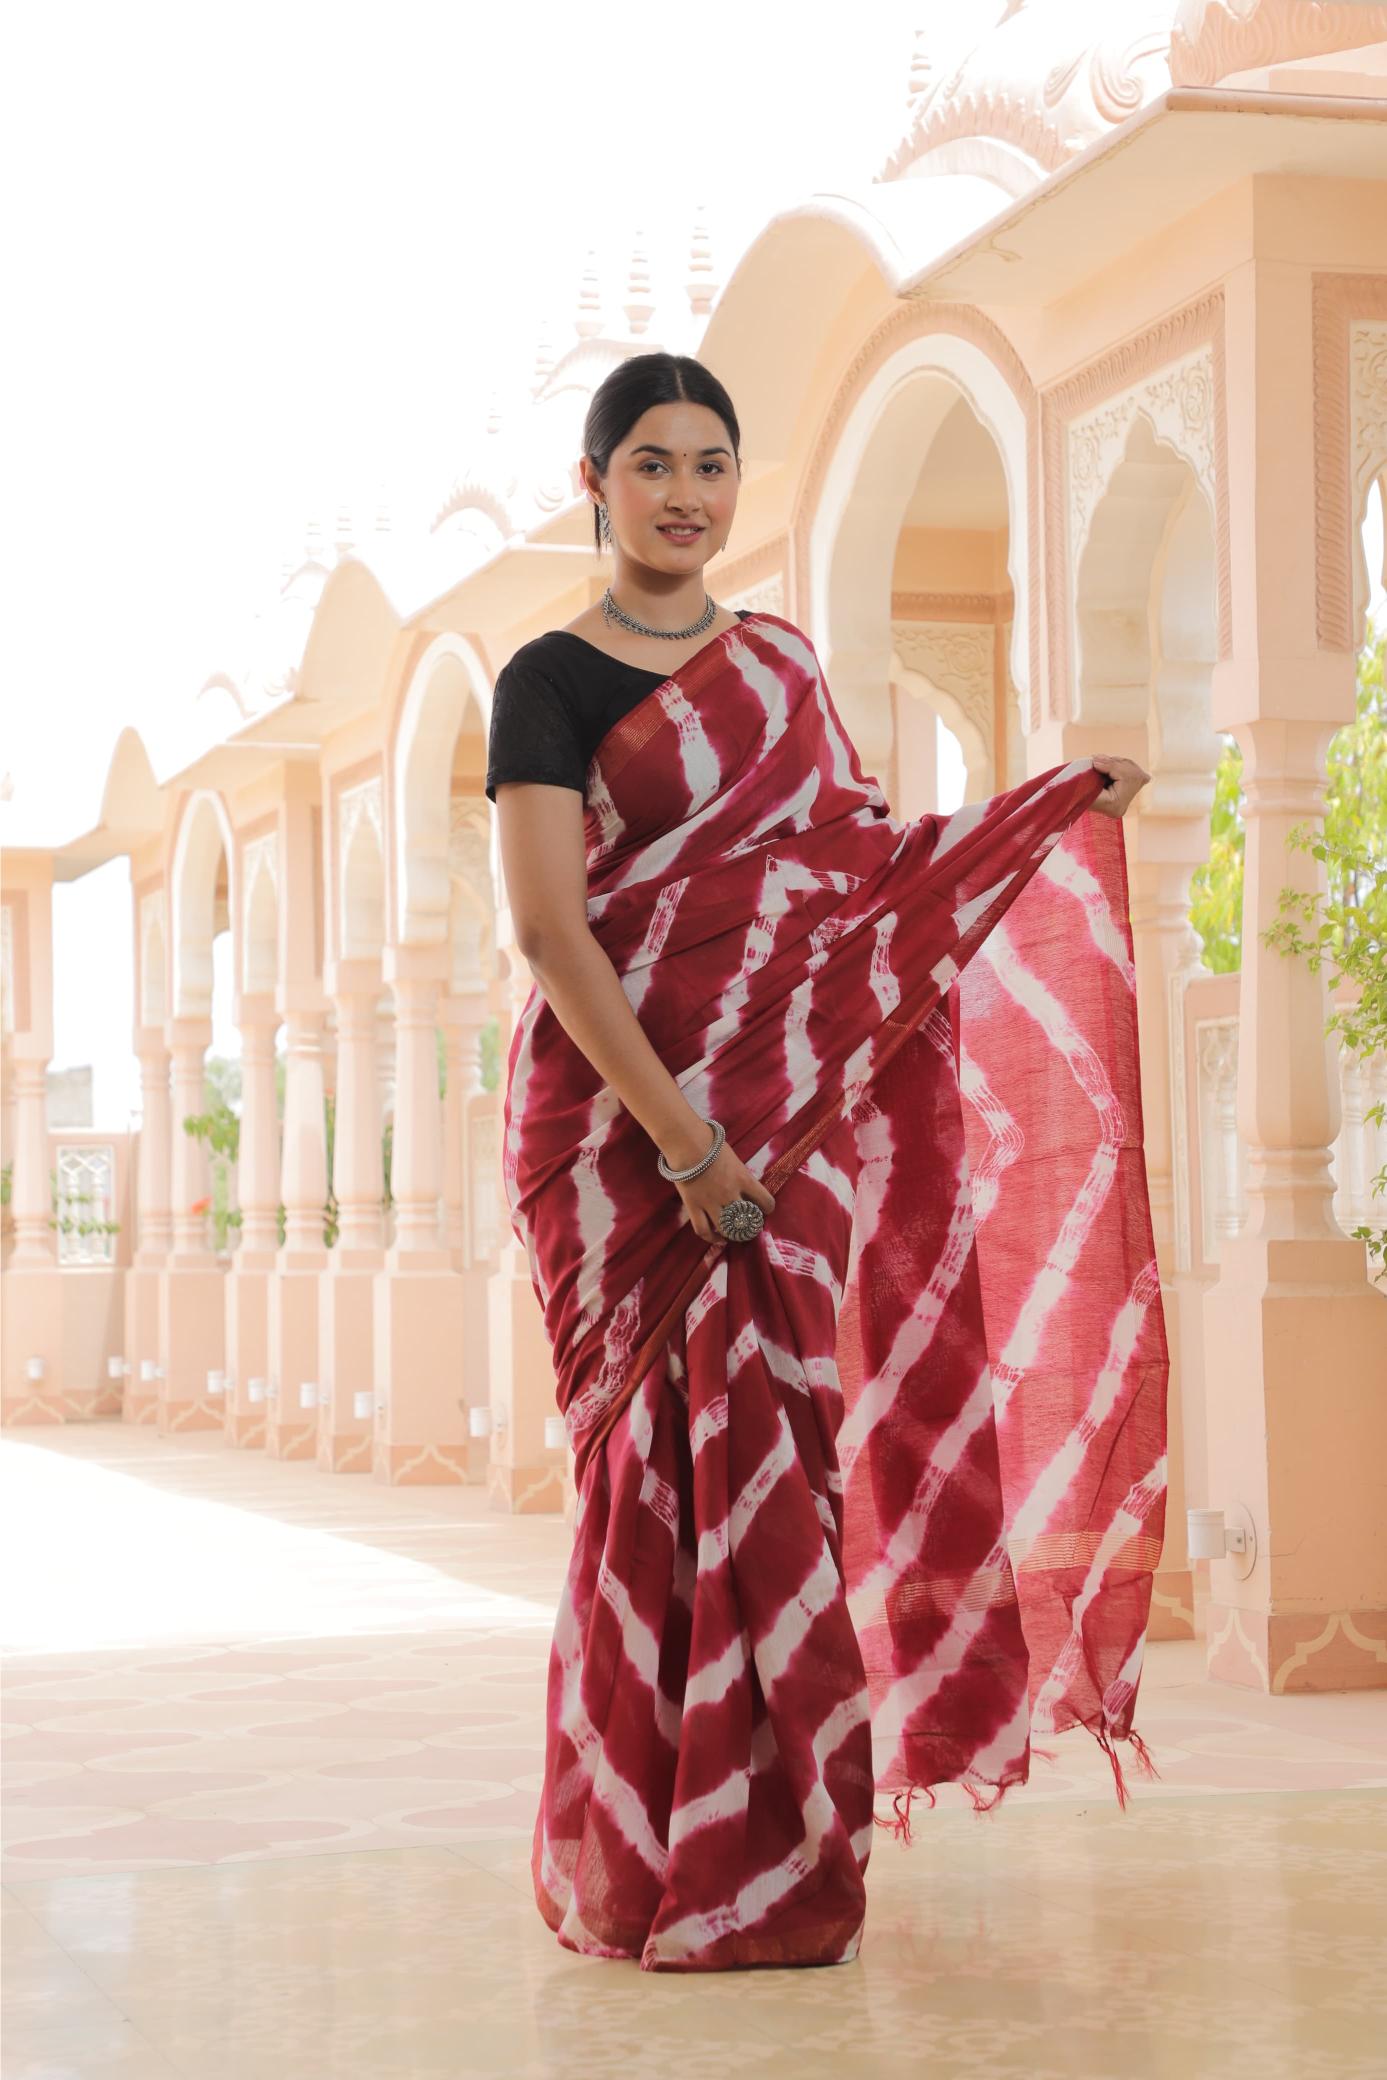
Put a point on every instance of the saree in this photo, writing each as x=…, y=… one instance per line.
x=868, y=1501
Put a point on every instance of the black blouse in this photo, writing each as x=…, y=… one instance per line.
x=554, y=701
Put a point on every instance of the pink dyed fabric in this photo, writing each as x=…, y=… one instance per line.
x=870, y=1500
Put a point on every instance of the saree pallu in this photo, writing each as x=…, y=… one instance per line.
x=866, y=1501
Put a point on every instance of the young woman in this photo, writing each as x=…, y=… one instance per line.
x=823, y=1137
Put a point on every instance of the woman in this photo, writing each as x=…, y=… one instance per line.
x=823, y=1137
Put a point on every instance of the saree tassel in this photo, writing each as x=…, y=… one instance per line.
x=899, y=1828
x=982, y=1804
x=1141, y=1756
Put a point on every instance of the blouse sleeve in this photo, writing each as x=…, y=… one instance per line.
x=533, y=736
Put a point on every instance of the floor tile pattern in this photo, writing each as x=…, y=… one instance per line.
x=272, y=1751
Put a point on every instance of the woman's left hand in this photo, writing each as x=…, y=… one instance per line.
x=1125, y=779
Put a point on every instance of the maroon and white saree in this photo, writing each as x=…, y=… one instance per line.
x=867, y=1501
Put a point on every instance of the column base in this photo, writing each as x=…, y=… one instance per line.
x=1296, y=1353
x=247, y=1346
x=291, y=1430
x=192, y=1337
x=140, y=1401
x=1285, y=1651
x=33, y=1329
x=522, y=1369
x=346, y=1366
x=421, y=1430
x=526, y=1490
x=1172, y=1604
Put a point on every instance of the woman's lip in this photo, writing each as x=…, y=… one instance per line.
x=681, y=530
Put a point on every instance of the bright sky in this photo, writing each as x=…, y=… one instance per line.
x=273, y=256
x=266, y=258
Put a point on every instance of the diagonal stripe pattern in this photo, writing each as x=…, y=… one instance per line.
x=866, y=1500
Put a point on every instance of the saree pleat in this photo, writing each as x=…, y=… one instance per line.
x=866, y=1502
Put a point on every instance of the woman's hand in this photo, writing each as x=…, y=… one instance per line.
x=725, y=1179
x=1126, y=778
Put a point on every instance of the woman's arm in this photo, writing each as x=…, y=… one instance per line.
x=544, y=865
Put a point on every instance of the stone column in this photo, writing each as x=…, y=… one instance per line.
x=252, y=1269
x=346, y=1331
x=462, y=1014
x=421, y=1433
x=31, y=1198
x=1169, y=838
x=524, y=1476
x=192, y=1298
x=140, y=1401
x=291, y=1428
x=1296, y=1338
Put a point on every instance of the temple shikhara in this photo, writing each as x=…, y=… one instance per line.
x=1062, y=430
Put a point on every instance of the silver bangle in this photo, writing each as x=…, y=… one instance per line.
x=683, y=1176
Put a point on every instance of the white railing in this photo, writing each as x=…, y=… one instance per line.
x=85, y=1201
x=1211, y=1156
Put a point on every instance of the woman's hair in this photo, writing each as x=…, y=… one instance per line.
x=633, y=386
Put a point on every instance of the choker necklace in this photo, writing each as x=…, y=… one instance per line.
x=641, y=628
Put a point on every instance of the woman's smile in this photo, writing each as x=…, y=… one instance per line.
x=682, y=534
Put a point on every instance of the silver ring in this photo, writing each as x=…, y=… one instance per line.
x=740, y=1219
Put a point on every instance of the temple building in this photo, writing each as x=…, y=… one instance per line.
x=1060, y=432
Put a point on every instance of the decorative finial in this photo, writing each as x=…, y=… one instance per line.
x=588, y=322
x=921, y=65
x=342, y=535
x=638, y=306
x=700, y=287
x=544, y=357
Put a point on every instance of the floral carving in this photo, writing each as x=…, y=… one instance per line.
x=1350, y=388
x=1212, y=38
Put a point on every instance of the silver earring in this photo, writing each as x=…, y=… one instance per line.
x=604, y=526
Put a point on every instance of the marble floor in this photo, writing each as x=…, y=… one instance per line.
x=271, y=1755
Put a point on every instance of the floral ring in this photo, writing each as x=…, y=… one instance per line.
x=740, y=1219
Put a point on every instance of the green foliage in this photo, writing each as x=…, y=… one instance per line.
x=1216, y=891
x=6, y=1183
x=489, y=1047
x=1346, y=925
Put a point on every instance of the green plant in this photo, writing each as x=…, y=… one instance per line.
x=1346, y=923
x=1216, y=889
x=6, y=1183
x=489, y=1048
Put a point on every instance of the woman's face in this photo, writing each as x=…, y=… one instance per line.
x=671, y=488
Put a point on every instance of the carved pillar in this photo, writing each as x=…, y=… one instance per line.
x=421, y=1418
x=1168, y=837
x=346, y=1328
x=189, y=1039
x=192, y=1326
x=32, y=1351
x=153, y=1190
x=291, y=1429
x=252, y=1269
x=35, y=1248
x=155, y=1155
x=416, y=1166
x=1296, y=1338
x=524, y=1476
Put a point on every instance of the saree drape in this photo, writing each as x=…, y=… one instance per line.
x=867, y=1501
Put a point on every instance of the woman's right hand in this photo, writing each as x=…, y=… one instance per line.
x=725, y=1179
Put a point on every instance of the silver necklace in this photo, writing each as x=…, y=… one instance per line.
x=642, y=628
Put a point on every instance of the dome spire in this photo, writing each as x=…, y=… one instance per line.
x=699, y=286
x=638, y=306
x=588, y=322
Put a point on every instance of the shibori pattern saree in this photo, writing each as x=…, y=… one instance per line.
x=866, y=1501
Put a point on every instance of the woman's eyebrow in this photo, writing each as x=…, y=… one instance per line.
x=649, y=448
